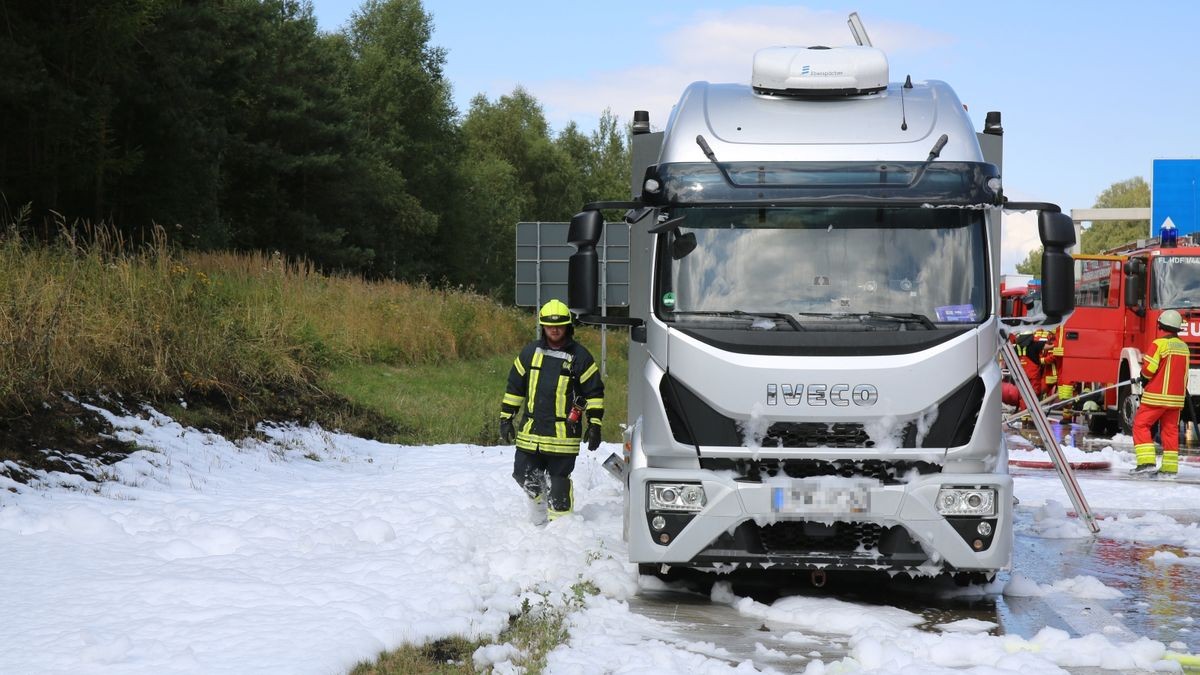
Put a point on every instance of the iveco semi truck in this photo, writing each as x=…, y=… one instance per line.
x=813, y=365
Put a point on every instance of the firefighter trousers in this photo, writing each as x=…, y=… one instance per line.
x=1168, y=431
x=529, y=468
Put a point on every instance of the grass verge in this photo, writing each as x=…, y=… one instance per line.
x=456, y=401
x=536, y=630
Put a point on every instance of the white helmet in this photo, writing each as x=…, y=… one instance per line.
x=1171, y=319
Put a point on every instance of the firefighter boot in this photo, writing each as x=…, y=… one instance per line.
x=537, y=510
x=558, y=506
x=536, y=488
x=1144, y=470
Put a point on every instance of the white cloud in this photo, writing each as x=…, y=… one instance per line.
x=712, y=45
x=1018, y=236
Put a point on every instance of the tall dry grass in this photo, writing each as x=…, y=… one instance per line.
x=92, y=311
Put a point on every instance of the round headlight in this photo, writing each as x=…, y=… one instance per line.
x=974, y=500
x=667, y=495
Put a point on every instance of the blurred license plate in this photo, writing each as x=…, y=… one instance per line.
x=820, y=497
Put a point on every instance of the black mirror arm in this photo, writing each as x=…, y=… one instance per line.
x=1031, y=206
x=667, y=225
x=602, y=206
x=597, y=320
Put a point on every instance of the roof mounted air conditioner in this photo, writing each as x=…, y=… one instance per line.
x=819, y=71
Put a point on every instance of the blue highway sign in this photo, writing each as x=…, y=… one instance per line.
x=1175, y=194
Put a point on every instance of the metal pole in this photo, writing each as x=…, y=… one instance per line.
x=537, y=305
x=604, y=305
x=1065, y=472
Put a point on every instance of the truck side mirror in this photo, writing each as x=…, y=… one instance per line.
x=1057, y=232
x=682, y=244
x=1135, y=285
x=583, y=267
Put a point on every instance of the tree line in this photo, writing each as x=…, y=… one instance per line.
x=238, y=124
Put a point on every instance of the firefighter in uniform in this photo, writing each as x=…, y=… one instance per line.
x=1164, y=386
x=1048, y=360
x=1029, y=353
x=554, y=399
x=1066, y=390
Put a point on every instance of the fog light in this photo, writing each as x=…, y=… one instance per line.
x=658, y=522
x=978, y=544
x=984, y=529
x=664, y=537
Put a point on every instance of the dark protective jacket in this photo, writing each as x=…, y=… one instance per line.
x=542, y=383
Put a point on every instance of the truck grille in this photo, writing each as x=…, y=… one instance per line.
x=886, y=472
x=694, y=422
x=825, y=435
x=811, y=537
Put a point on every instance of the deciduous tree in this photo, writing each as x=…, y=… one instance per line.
x=1105, y=235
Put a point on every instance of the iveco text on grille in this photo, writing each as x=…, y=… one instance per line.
x=823, y=394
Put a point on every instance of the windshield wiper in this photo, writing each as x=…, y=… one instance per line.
x=900, y=317
x=737, y=313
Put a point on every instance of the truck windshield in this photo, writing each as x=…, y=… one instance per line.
x=1176, y=282
x=836, y=268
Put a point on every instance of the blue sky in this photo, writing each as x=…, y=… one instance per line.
x=1091, y=93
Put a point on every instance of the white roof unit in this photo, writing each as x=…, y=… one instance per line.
x=819, y=71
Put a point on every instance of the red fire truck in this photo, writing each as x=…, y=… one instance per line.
x=1013, y=288
x=1119, y=297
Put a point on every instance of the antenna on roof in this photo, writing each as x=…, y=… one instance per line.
x=856, y=28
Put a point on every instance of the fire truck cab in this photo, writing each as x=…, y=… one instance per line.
x=1118, y=299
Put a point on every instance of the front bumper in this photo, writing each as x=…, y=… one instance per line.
x=900, y=530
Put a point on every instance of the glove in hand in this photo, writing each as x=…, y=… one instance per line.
x=593, y=436
x=506, y=430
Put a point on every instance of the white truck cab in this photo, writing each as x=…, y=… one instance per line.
x=813, y=377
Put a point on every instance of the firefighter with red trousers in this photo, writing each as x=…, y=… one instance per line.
x=1029, y=353
x=554, y=399
x=1049, y=361
x=1164, y=390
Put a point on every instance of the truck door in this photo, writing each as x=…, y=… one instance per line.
x=1092, y=336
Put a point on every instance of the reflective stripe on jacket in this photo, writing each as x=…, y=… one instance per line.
x=1166, y=365
x=542, y=382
